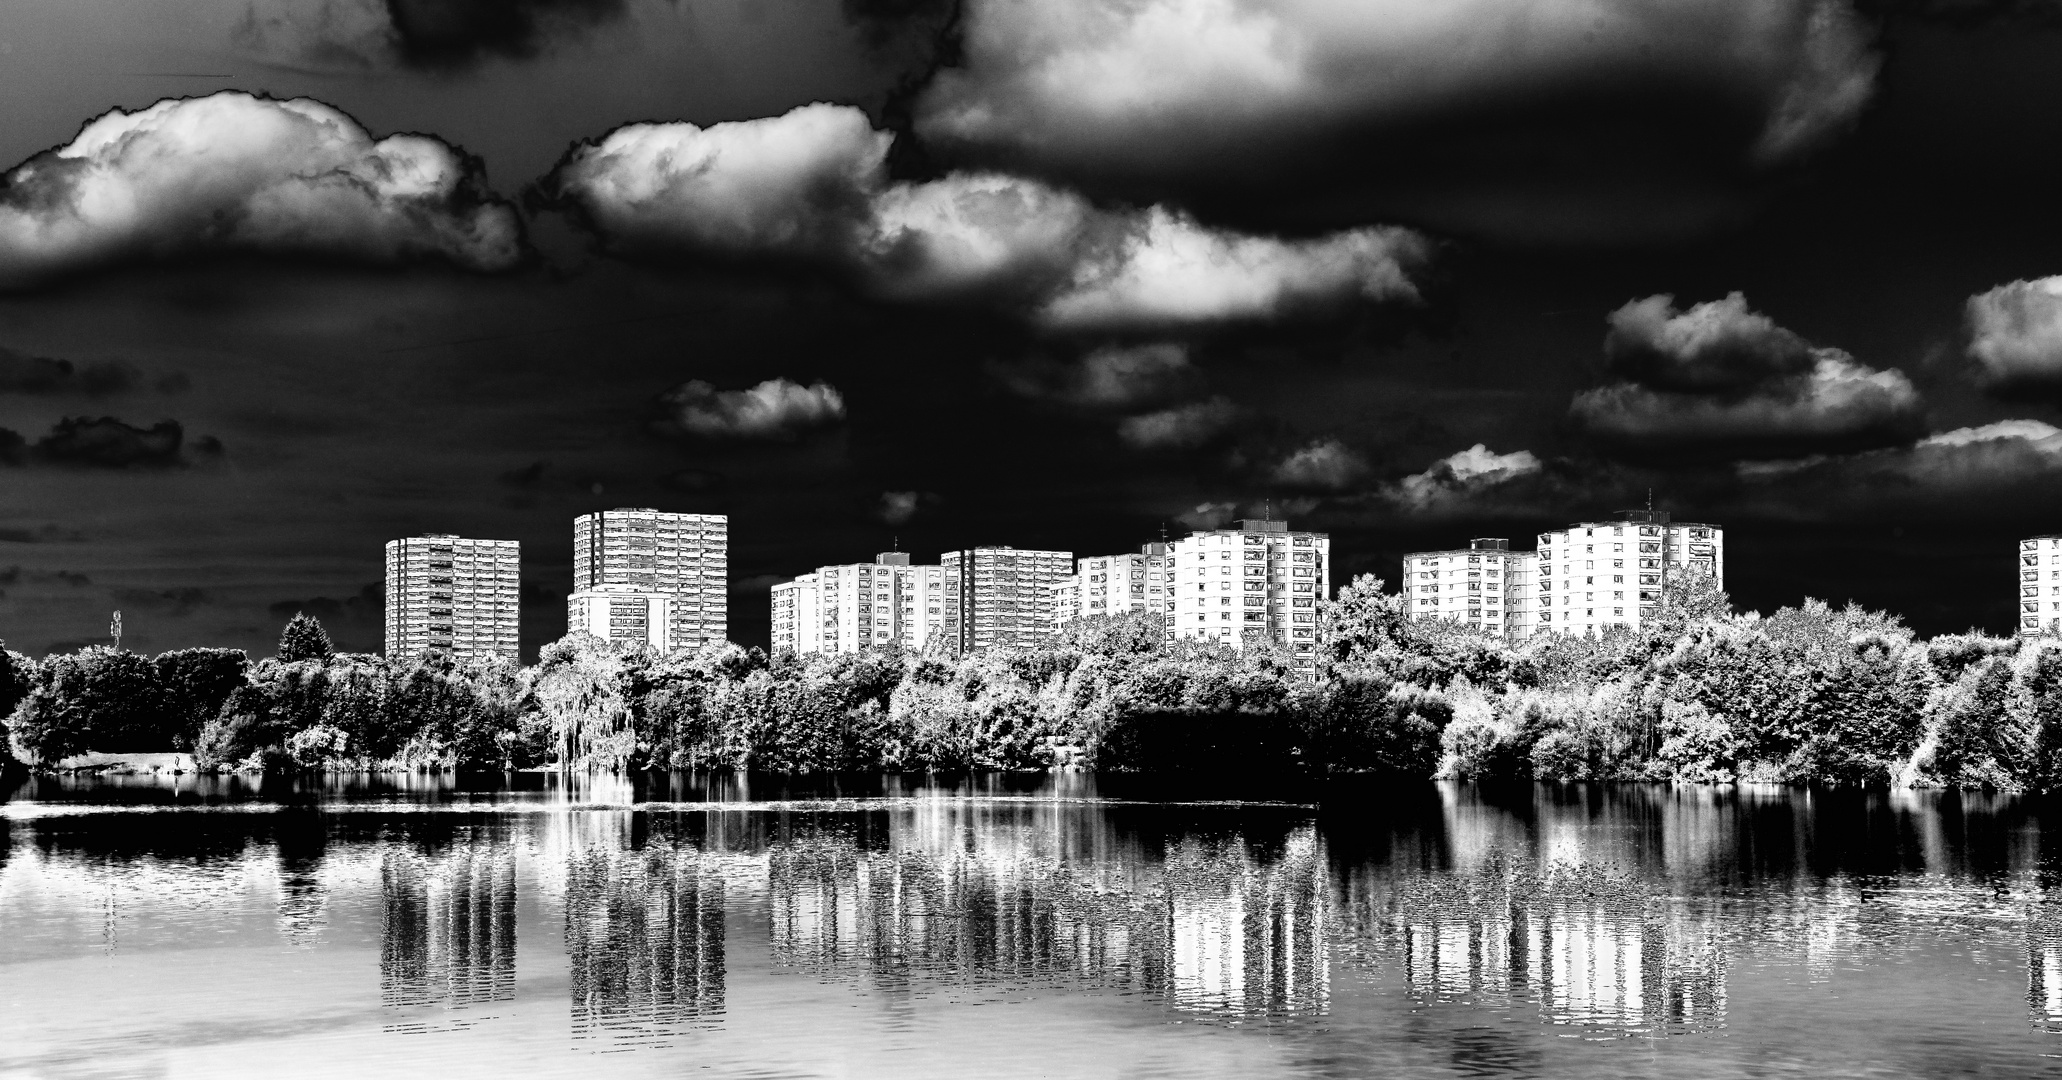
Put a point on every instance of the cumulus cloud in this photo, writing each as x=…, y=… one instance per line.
x=900, y=507
x=434, y=34
x=1460, y=477
x=1721, y=379
x=1324, y=465
x=1182, y=427
x=775, y=410
x=1715, y=346
x=2003, y=467
x=1206, y=92
x=235, y=173
x=1112, y=377
x=1840, y=403
x=812, y=186
x=2015, y=335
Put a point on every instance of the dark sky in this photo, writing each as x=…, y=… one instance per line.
x=1052, y=274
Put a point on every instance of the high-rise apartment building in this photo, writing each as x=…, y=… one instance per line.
x=450, y=594
x=1599, y=574
x=684, y=557
x=1485, y=586
x=1005, y=594
x=2040, y=584
x=1066, y=601
x=623, y=615
x=849, y=607
x=1256, y=581
x=1116, y=584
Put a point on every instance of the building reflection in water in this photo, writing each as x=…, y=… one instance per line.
x=2044, y=967
x=644, y=938
x=1212, y=927
x=1582, y=946
x=447, y=932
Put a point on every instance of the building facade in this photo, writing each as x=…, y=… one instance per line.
x=455, y=595
x=1259, y=580
x=850, y=607
x=1006, y=594
x=1485, y=586
x=684, y=557
x=2040, y=584
x=1117, y=584
x=1594, y=575
x=622, y=615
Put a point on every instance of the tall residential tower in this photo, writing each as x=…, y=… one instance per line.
x=1597, y=574
x=1485, y=586
x=847, y=608
x=643, y=552
x=1258, y=581
x=449, y=594
x=1006, y=595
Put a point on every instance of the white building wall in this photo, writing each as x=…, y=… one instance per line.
x=684, y=556
x=1598, y=574
x=1118, y=584
x=622, y=616
x=1006, y=594
x=2040, y=584
x=1257, y=581
x=1484, y=586
x=454, y=595
x=852, y=606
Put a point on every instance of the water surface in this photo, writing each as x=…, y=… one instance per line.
x=1050, y=926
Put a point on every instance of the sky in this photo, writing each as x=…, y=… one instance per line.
x=281, y=280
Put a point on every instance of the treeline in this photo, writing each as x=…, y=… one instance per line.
x=1811, y=694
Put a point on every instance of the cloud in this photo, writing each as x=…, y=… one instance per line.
x=776, y=410
x=1113, y=377
x=1460, y=478
x=812, y=187
x=1722, y=380
x=21, y=373
x=2015, y=336
x=1312, y=99
x=1209, y=515
x=235, y=173
x=1181, y=427
x=1840, y=404
x=105, y=443
x=899, y=507
x=1325, y=465
x=2011, y=467
x=428, y=34
x=525, y=478
x=1715, y=346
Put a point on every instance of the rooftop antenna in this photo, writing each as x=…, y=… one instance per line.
x=895, y=541
x=1650, y=500
x=1267, y=510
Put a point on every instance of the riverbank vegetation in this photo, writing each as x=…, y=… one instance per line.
x=1812, y=694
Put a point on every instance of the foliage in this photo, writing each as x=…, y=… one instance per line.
x=1808, y=694
x=304, y=639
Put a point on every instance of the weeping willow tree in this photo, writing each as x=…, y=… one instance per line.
x=578, y=687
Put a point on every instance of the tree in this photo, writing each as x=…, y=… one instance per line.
x=304, y=639
x=194, y=684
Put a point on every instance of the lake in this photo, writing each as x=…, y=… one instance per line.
x=1021, y=926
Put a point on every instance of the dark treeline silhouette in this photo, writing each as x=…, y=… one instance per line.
x=1810, y=694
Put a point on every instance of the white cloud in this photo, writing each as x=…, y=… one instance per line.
x=1159, y=87
x=2004, y=466
x=795, y=184
x=233, y=172
x=776, y=409
x=2015, y=333
x=897, y=507
x=813, y=185
x=1326, y=464
x=1209, y=515
x=1714, y=346
x=1162, y=267
x=1840, y=401
x=1181, y=427
x=1461, y=476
